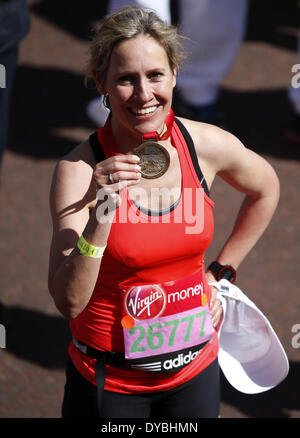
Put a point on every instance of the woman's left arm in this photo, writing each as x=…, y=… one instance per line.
x=249, y=173
x=252, y=175
x=258, y=180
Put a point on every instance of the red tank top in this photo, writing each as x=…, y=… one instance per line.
x=165, y=251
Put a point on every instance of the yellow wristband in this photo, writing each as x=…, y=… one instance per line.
x=86, y=249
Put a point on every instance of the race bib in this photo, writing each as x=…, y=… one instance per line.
x=166, y=325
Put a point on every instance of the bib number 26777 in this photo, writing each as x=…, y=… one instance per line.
x=167, y=334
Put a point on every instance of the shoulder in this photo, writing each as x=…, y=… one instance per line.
x=78, y=163
x=222, y=153
x=214, y=145
x=82, y=154
x=209, y=138
x=72, y=176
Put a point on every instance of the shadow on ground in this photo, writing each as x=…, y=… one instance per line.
x=251, y=117
x=35, y=336
x=45, y=100
x=75, y=18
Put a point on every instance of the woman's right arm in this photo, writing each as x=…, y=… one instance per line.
x=72, y=276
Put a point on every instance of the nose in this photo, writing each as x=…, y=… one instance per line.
x=143, y=91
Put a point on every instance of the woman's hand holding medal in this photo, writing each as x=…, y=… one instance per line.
x=113, y=175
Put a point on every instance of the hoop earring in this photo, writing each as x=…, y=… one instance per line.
x=106, y=101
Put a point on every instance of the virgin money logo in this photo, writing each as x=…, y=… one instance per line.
x=144, y=302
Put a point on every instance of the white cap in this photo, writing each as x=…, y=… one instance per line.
x=251, y=355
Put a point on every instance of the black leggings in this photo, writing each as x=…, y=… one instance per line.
x=198, y=398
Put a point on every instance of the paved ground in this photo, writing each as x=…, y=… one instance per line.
x=48, y=118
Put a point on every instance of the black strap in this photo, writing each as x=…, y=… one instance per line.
x=96, y=146
x=111, y=357
x=100, y=372
x=191, y=147
x=103, y=358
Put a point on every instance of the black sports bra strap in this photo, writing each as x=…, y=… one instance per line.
x=191, y=147
x=96, y=146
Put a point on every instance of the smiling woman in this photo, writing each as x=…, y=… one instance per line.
x=133, y=60
x=137, y=350
x=139, y=84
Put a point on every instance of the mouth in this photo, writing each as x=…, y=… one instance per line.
x=145, y=111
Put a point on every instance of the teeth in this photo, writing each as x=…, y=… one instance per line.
x=142, y=111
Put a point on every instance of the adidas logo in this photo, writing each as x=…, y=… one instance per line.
x=180, y=360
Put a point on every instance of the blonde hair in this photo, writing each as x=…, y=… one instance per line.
x=128, y=23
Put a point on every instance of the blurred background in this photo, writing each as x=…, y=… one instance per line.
x=48, y=118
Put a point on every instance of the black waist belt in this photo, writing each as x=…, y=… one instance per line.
x=103, y=358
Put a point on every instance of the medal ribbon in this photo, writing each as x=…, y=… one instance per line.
x=169, y=124
x=108, y=141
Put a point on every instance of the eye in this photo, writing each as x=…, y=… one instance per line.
x=126, y=79
x=155, y=76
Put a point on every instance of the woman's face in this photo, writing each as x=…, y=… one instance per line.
x=140, y=84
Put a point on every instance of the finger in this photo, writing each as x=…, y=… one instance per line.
x=103, y=179
x=119, y=162
x=214, y=292
x=216, y=312
x=116, y=171
x=125, y=176
x=126, y=158
x=217, y=317
x=216, y=305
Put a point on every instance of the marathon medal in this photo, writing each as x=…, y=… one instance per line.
x=154, y=158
